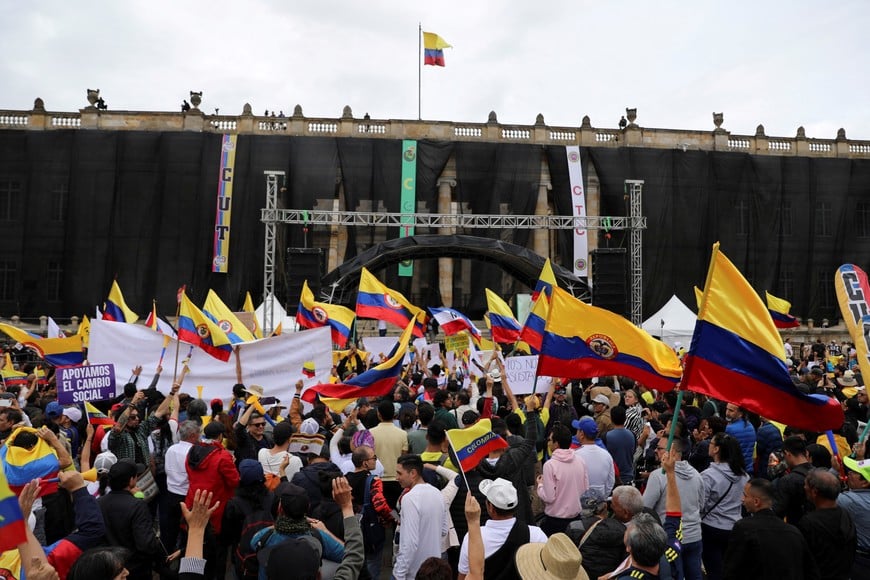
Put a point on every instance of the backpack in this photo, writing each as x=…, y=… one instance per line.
x=245, y=556
x=374, y=534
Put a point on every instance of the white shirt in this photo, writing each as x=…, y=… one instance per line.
x=176, y=472
x=272, y=461
x=424, y=522
x=599, y=467
x=494, y=534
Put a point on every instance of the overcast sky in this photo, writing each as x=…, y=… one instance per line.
x=782, y=64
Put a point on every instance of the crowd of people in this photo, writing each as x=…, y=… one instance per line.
x=597, y=478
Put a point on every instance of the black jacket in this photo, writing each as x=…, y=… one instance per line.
x=128, y=524
x=763, y=546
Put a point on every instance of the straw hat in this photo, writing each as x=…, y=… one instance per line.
x=558, y=559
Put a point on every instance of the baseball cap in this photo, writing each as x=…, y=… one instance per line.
x=104, y=462
x=250, y=472
x=592, y=499
x=587, y=425
x=214, y=429
x=495, y=375
x=860, y=467
x=74, y=414
x=53, y=410
x=603, y=399
x=500, y=493
x=309, y=426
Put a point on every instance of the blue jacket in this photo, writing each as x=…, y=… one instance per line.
x=769, y=440
x=744, y=432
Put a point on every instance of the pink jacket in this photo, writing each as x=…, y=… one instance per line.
x=565, y=479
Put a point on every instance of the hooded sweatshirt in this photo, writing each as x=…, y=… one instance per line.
x=691, y=487
x=211, y=467
x=718, y=511
x=565, y=479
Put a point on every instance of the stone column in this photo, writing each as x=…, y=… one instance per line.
x=445, y=265
x=541, y=236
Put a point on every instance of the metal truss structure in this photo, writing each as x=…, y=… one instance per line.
x=271, y=216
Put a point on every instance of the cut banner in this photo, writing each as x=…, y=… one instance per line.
x=274, y=363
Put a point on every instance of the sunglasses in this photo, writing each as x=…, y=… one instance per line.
x=258, y=424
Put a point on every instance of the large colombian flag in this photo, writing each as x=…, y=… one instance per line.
x=197, y=329
x=474, y=443
x=433, y=45
x=375, y=300
x=21, y=466
x=737, y=355
x=311, y=314
x=375, y=382
x=583, y=341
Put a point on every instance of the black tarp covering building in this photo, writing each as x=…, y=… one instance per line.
x=79, y=208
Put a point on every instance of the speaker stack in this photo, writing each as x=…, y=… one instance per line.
x=610, y=280
x=303, y=264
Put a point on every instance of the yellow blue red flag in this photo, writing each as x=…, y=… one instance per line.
x=11, y=522
x=116, y=309
x=583, y=341
x=737, y=355
x=474, y=443
x=533, y=330
x=433, y=49
x=60, y=352
x=502, y=324
x=220, y=314
x=311, y=314
x=779, y=311
x=546, y=281
x=375, y=300
x=249, y=307
x=197, y=329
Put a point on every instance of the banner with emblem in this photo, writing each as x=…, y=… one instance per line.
x=578, y=203
x=221, y=258
x=408, y=199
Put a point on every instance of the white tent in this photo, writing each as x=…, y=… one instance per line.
x=673, y=323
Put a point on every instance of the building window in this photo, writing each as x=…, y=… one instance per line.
x=786, y=283
x=58, y=202
x=742, y=209
x=54, y=281
x=8, y=280
x=785, y=218
x=862, y=220
x=826, y=290
x=10, y=194
x=823, y=219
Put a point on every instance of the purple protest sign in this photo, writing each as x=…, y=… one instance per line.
x=85, y=383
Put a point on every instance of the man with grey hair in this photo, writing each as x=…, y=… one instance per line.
x=626, y=503
x=828, y=529
x=653, y=551
x=176, y=482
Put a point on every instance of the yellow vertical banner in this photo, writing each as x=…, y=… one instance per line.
x=221, y=260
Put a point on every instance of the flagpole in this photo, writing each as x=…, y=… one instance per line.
x=177, y=340
x=420, y=72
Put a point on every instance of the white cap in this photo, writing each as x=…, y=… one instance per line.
x=104, y=461
x=500, y=493
x=600, y=398
x=309, y=426
x=74, y=414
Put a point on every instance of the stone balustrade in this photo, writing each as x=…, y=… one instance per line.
x=585, y=135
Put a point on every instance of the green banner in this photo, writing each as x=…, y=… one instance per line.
x=409, y=198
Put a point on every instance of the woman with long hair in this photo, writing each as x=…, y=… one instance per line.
x=723, y=500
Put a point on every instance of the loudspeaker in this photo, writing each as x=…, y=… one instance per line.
x=303, y=264
x=610, y=280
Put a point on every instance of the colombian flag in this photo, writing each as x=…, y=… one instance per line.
x=220, y=314
x=474, y=443
x=311, y=314
x=84, y=331
x=546, y=281
x=533, y=330
x=778, y=308
x=197, y=329
x=375, y=300
x=433, y=46
x=583, y=341
x=737, y=355
x=60, y=352
x=375, y=382
x=116, y=309
x=11, y=521
x=502, y=324
x=97, y=417
x=453, y=322
x=21, y=466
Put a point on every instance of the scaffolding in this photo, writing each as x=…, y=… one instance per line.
x=271, y=216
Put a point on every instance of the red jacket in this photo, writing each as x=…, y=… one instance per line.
x=211, y=467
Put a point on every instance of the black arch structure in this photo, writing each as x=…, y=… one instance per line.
x=521, y=263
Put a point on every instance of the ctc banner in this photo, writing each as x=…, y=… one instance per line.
x=853, y=291
x=221, y=260
x=578, y=203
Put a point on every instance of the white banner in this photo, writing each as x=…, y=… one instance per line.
x=382, y=345
x=273, y=363
x=578, y=202
x=520, y=371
